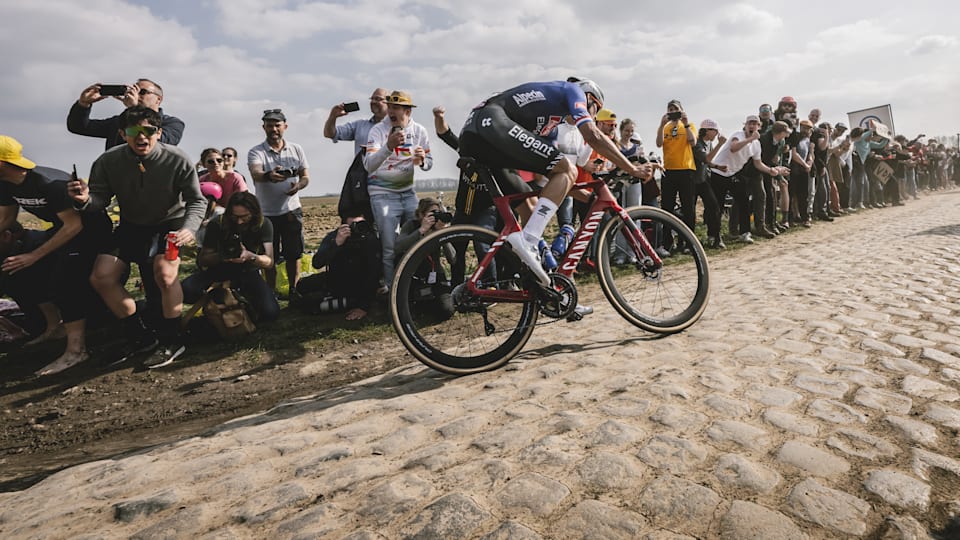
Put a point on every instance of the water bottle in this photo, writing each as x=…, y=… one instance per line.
x=546, y=257
x=562, y=242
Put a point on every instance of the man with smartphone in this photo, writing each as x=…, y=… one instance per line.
x=144, y=92
x=394, y=149
x=677, y=135
x=357, y=130
x=64, y=258
x=161, y=208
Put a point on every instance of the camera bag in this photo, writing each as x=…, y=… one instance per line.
x=225, y=310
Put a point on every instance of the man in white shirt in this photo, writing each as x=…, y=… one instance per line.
x=736, y=152
x=395, y=147
x=280, y=171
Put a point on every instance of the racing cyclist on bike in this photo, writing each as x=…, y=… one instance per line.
x=517, y=128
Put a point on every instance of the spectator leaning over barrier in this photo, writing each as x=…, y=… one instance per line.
x=771, y=148
x=144, y=93
x=394, y=149
x=280, y=171
x=68, y=251
x=238, y=244
x=350, y=255
x=731, y=162
x=161, y=207
x=676, y=135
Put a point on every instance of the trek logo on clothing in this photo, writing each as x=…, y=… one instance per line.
x=531, y=143
x=31, y=203
x=525, y=98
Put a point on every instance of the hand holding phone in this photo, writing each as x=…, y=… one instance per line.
x=674, y=115
x=113, y=89
x=353, y=106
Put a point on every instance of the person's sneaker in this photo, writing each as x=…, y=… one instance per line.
x=163, y=356
x=530, y=256
x=717, y=243
x=583, y=310
x=129, y=349
x=746, y=238
x=662, y=252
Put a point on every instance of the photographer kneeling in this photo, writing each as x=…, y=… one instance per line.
x=430, y=216
x=237, y=245
x=351, y=254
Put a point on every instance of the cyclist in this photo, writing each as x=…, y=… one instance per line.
x=516, y=129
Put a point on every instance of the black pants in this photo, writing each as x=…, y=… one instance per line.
x=800, y=191
x=680, y=183
x=722, y=185
x=711, y=209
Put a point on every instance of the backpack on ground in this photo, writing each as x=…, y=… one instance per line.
x=225, y=310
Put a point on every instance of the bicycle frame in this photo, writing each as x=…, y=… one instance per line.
x=603, y=203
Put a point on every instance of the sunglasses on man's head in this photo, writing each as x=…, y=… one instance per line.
x=270, y=111
x=148, y=131
x=213, y=161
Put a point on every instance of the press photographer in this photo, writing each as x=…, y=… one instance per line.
x=236, y=246
x=351, y=255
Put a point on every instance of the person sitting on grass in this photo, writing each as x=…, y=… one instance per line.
x=237, y=245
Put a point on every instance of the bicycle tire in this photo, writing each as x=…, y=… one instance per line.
x=664, y=302
x=460, y=344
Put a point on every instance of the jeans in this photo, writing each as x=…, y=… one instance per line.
x=390, y=211
x=858, y=185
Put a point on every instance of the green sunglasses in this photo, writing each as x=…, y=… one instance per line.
x=148, y=131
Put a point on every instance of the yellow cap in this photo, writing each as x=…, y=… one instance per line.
x=11, y=151
x=606, y=115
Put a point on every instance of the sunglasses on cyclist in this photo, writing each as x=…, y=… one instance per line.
x=147, y=131
x=213, y=161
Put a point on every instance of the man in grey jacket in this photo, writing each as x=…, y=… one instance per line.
x=161, y=208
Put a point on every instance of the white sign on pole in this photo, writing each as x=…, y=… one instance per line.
x=882, y=115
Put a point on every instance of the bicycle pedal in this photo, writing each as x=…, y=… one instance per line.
x=574, y=317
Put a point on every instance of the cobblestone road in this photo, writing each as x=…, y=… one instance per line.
x=817, y=398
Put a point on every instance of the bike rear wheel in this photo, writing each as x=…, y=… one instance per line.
x=444, y=326
x=664, y=300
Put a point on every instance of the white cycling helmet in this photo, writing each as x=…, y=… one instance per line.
x=590, y=88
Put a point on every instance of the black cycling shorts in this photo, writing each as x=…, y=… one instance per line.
x=495, y=140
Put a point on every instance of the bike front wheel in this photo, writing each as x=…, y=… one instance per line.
x=663, y=300
x=437, y=319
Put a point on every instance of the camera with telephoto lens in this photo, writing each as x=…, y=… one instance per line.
x=440, y=215
x=360, y=230
x=232, y=248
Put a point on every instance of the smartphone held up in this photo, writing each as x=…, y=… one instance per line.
x=353, y=106
x=113, y=89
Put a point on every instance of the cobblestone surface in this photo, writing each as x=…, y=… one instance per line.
x=816, y=398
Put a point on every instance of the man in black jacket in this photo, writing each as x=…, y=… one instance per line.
x=144, y=92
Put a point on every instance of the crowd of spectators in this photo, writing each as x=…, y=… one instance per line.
x=775, y=172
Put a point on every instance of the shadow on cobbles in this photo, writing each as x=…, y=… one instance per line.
x=943, y=230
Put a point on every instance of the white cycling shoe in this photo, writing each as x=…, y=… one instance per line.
x=530, y=256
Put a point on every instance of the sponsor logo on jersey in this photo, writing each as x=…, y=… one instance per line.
x=532, y=143
x=525, y=98
x=31, y=203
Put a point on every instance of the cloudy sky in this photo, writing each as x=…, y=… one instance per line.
x=222, y=62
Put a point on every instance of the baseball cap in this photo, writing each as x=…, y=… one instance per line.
x=750, y=118
x=788, y=99
x=274, y=114
x=840, y=125
x=824, y=125
x=606, y=115
x=399, y=97
x=11, y=151
x=709, y=124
